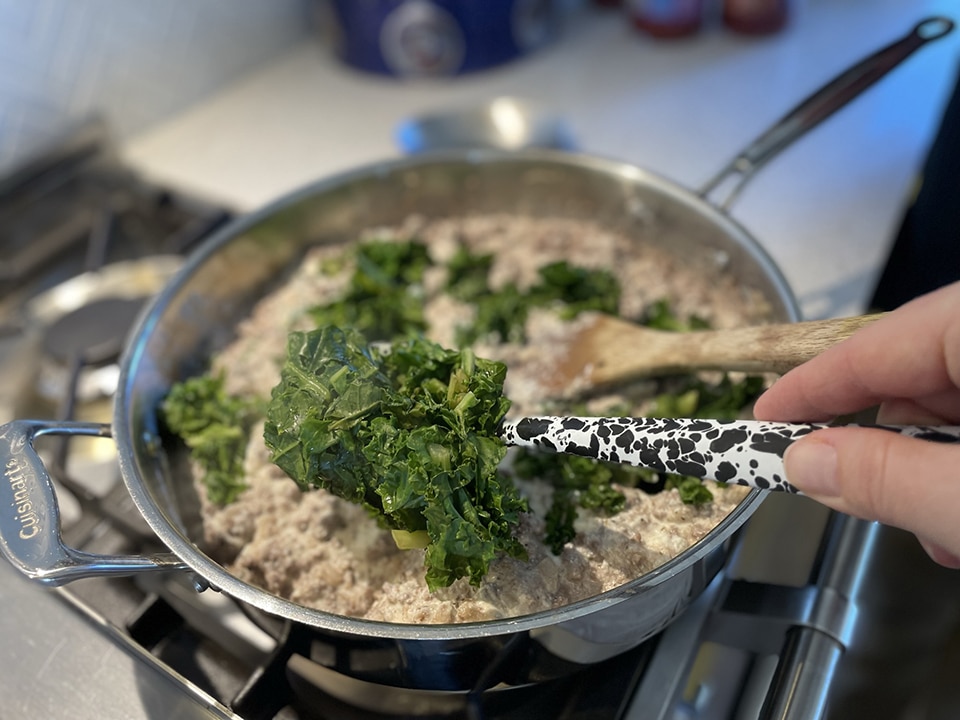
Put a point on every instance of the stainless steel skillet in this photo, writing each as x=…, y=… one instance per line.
x=196, y=313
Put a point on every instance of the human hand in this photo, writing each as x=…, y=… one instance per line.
x=908, y=363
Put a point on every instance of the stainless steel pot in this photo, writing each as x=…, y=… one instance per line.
x=197, y=312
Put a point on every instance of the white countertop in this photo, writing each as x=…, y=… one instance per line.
x=826, y=209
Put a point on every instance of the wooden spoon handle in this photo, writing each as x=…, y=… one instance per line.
x=761, y=348
x=616, y=350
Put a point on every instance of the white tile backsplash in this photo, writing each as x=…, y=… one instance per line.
x=131, y=62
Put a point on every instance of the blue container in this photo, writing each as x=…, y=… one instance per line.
x=437, y=38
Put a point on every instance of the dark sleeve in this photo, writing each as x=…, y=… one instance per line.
x=926, y=251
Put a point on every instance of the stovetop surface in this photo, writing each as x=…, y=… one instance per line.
x=69, y=663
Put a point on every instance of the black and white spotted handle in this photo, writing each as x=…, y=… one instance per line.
x=741, y=452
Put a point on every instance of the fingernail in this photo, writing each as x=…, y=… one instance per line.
x=812, y=467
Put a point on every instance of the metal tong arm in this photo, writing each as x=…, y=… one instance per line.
x=30, y=535
x=823, y=103
x=740, y=452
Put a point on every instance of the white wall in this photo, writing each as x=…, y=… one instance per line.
x=132, y=62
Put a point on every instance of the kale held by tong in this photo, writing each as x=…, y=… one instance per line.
x=410, y=434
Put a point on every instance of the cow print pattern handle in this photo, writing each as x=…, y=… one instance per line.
x=741, y=452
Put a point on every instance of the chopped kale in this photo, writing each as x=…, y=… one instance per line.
x=660, y=316
x=560, y=520
x=577, y=482
x=724, y=400
x=589, y=484
x=410, y=434
x=579, y=289
x=586, y=483
x=693, y=397
x=216, y=428
x=384, y=299
x=467, y=275
x=692, y=491
x=503, y=312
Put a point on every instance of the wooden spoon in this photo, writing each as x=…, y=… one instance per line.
x=606, y=351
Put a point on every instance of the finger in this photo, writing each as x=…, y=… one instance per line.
x=940, y=554
x=914, y=352
x=878, y=475
x=939, y=410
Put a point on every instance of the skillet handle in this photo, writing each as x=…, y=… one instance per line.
x=822, y=104
x=30, y=515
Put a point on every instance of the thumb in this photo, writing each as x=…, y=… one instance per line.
x=879, y=475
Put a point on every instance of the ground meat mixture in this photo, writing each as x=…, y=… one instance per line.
x=322, y=552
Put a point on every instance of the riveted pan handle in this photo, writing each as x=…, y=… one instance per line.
x=30, y=515
x=821, y=105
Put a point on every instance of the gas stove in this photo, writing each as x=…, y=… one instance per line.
x=86, y=243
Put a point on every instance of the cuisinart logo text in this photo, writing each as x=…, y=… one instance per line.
x=18, y=478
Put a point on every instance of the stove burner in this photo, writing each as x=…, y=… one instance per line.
x=93, y=333
x=593, y=691
x=76, y=329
